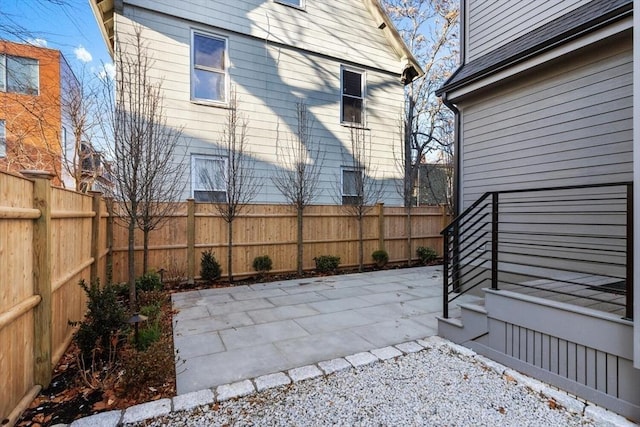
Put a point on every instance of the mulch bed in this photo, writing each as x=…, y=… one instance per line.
x=70, y=397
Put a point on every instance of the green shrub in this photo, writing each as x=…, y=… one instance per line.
x=262, y=264
x=152, y=311
x=147, y=368
x=327, y=263
x=148, y=335
x=426, y=255
x=149, y=282
x=105, y=319
x=209, y=267
x=381, y=257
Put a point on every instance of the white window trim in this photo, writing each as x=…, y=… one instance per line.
x=348, y=169
x=192, y=66
x=301, y=6
x=194, y=180
x=363, y=87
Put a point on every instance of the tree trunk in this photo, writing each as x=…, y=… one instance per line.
x=409, y=229
x=360, y=244
x=230, y=250
x=145, y=252
x=300, y=244
x=131, y=258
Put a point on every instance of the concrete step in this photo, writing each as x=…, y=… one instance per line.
x=469, y=325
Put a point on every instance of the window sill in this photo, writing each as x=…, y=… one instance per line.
x=354, y=126
x=223, y=105
x=284, y=3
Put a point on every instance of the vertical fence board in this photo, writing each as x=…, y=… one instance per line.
x=45, y=248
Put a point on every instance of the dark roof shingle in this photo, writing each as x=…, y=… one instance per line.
x=587, y=18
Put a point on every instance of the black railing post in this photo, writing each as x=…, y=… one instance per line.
x=445, y=275
x=629, y=260
x=494, y=240
x=455, y=261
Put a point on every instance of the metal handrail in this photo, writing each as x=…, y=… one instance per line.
x=484, y=217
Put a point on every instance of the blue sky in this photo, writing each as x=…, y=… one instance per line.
x=70, y=28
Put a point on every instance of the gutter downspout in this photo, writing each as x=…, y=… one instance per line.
x=456, y=154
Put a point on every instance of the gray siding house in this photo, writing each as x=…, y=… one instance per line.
x=540, y=261
x=344, y=59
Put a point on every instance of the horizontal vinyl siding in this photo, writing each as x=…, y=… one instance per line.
x=269, y=80
x=493, y=23
x=570, y=124
x=341, y=28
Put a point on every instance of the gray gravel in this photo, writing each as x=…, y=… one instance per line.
x=436, y=386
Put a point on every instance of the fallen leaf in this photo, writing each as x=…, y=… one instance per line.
x=509, y=378
x=501, y=410
x=553, y=404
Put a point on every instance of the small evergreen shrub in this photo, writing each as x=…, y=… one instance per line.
x=381, y=257
x=149, y=282
x=426, y=255
x=105, y=319
x=262, y=264
x=209, y=267
x=327, y=263
x=148, y=335
x=147, y=368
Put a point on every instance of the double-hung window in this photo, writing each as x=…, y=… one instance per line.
x=3, y=139
x=353, y=92
x=352, y=185
x=19, y=75
x=209, y=76
x=208, y=178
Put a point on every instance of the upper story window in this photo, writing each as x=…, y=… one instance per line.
x=295, y=3
x=209, y=76
x=353, y=91
x=19, y=74
x=208, y=182
x=3, y=139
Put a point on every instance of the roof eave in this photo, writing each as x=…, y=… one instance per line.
x=103, y=11
x=411, y=69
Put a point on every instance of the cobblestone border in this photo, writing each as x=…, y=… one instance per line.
x=235, y=390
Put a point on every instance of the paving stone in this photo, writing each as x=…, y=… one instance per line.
x=409, y=347
x=230, y=391
x=264, y=333
x=304, y=373
x=391, y=332
x=563, y=399
x=104, y=419
x=605, y=418
x=433, y=342
x=461, y=350
x=361, y=359
x=524, y=380
x=334, y=365
x=272, y=380
x=386, y=353
x=185, y=402
x=493, y=365
x=144, y=411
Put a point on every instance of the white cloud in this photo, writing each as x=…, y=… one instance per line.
x=83, y=54
x=37, y=42
x=108, y=71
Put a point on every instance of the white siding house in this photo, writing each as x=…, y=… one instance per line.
x=343, y=59
x=544, y=103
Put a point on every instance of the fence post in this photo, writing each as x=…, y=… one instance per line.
x=381, y=226
x=110, y=220
x=95, y=234
x=191, y=240
x=42, y=322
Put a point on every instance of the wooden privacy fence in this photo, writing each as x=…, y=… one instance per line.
x=50, y=238
x=176, y=246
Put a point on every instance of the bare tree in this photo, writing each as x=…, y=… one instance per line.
x=360, y=190
x=143, y=143
x=236, y=173
x=79, y=104
x=301, y=161
x=429, y=28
